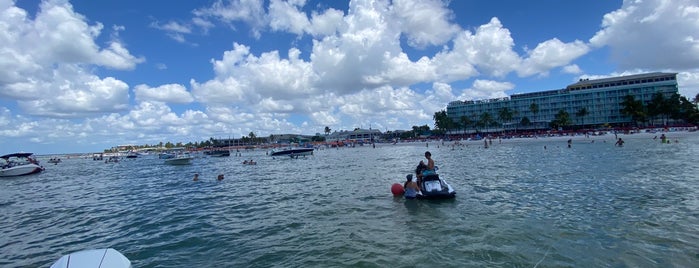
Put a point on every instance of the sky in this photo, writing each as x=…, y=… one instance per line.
x=83, y=76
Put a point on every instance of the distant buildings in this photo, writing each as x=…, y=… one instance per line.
x=588, y=102
x=360, y=135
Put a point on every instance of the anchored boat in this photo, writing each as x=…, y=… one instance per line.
x=19, y=164
x=293, y=152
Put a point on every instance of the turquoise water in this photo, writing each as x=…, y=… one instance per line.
x=517, y=205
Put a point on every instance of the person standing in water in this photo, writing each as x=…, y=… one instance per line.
x=619, y=142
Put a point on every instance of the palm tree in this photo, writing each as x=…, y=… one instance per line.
x=505, y=115
x=534, y=108
x=442, y=121
x=486, y=120
x=562, y=119
x=465, y=122
x=581, y=113
x=633, y=108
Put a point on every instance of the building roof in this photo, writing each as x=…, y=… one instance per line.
x=584, y=82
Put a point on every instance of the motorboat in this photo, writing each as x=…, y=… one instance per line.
x=19, y=164
x=93, y=258
x=434, y=187
x=54, y=160
x=166, y=155
x=293, y=152
x=218, y=153
x=180, y=159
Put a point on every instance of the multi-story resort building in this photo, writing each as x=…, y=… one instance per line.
x=599, y=100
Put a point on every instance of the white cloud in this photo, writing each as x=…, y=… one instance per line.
x=551, y=54
x=46, y=62
x=358, y=72
x=176, y=30
x=170, y=93
x=489, y=49
x=425, y=22
x=486, y=89
x=72, y=93
x=243, y=77
x=286, y=16
x=688, y=83
x=328, y=22
x=251, y=12
x=572, y=69
x=653, y=34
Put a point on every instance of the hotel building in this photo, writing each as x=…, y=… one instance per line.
x=600, y=97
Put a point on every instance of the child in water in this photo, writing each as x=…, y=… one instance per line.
x=410, y=187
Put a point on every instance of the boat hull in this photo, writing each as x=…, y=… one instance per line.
x=218, y=153
x=21, y=170
x=98, y=258
x=178, y=161
x=293, y=152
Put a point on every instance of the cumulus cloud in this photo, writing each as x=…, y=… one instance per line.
x=572, y=69
x=241, y=76
x=551, y=54
x=490, y=49
x=286, y=16
x=46, y=62
x=486, y=89
x=170, y=93
x=342, y=69
x=252, y=12
x=689, y=83
x=72, y=94
x=328, y=22
x=641, y=33
x=425, y=22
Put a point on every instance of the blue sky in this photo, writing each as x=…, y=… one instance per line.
x=82, y=76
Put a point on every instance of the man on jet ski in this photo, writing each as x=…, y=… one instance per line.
x=430, y=163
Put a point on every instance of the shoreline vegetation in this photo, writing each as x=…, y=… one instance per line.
x=673, y=135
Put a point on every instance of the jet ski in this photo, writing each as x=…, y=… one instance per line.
x=434, y=187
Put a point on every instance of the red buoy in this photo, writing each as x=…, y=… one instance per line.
x=397, y=189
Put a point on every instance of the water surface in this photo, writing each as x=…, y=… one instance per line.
x=518, y=204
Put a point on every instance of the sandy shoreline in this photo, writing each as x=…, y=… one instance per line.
x=608, y=137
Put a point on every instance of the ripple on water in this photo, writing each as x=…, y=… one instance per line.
x=517, y=204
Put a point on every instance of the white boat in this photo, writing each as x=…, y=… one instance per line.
x=166, y=155
x=180, y=159
x=19, y=164
x=93, y=258
x=218, y=153
x=293, y=152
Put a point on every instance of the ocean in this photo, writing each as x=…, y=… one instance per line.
x=519, y=203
